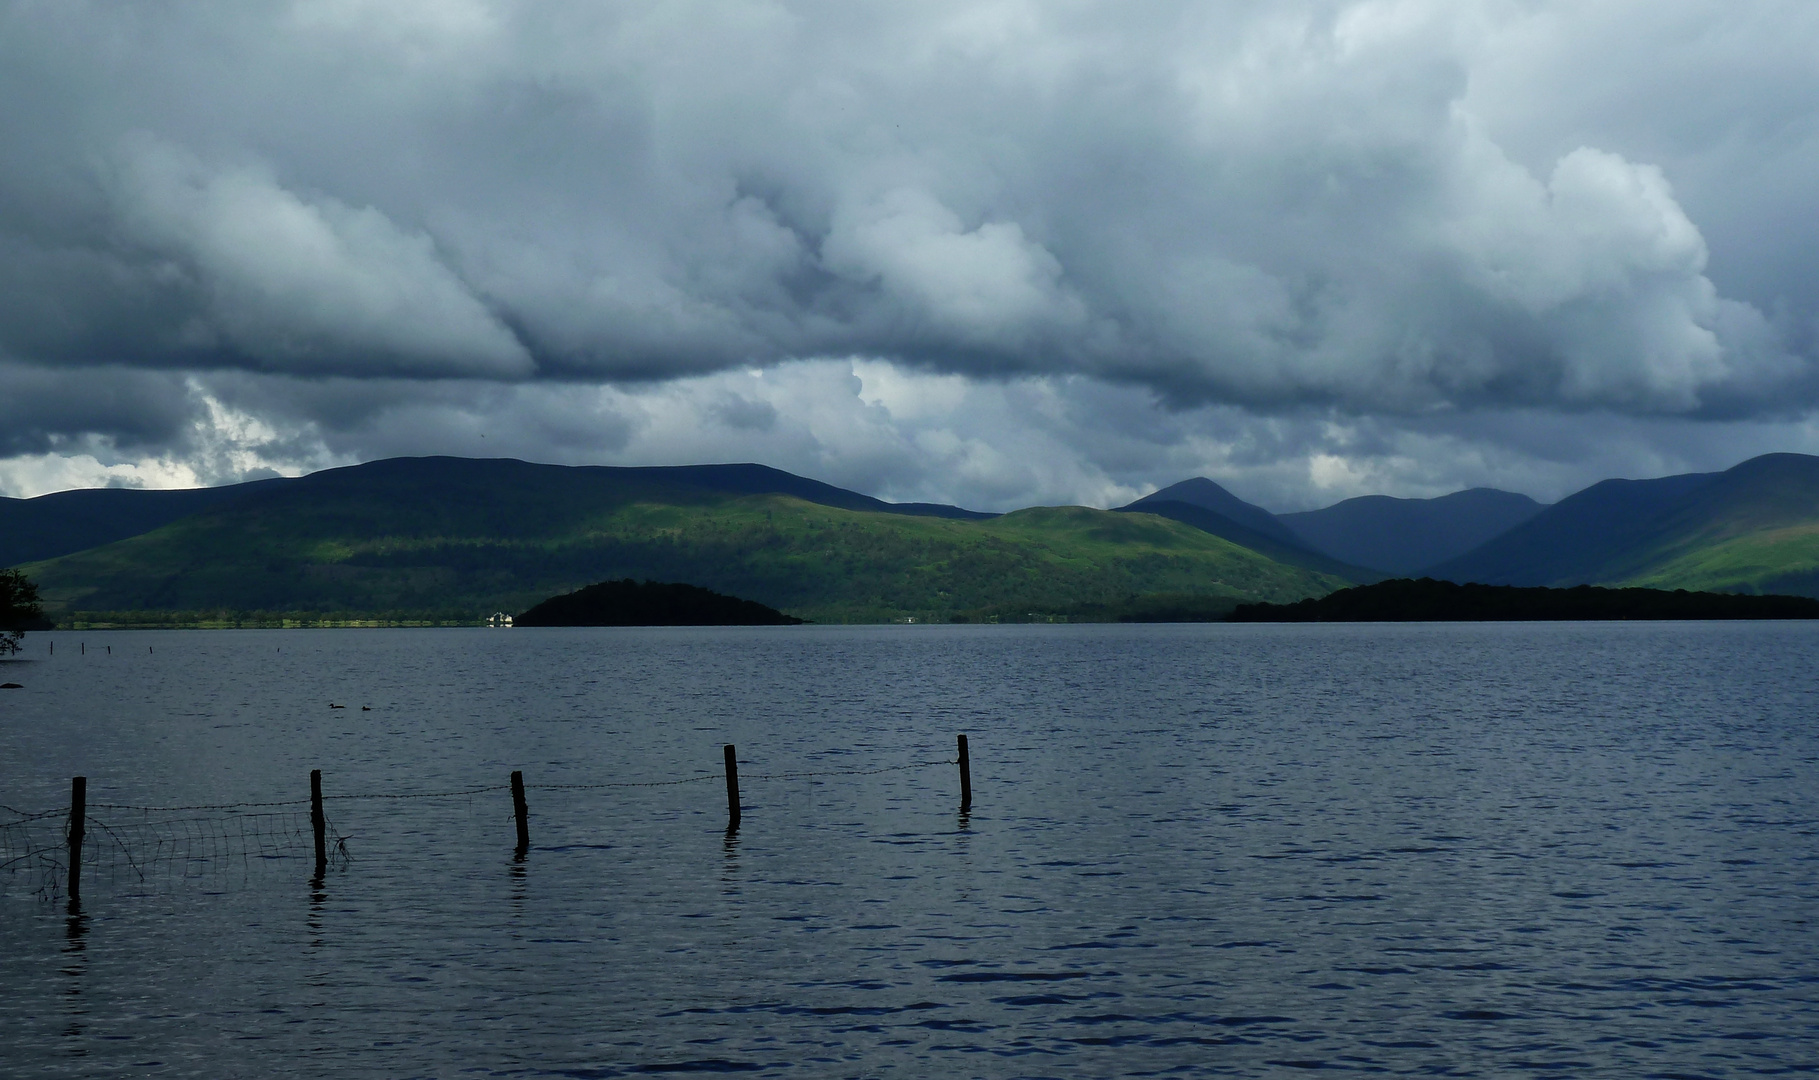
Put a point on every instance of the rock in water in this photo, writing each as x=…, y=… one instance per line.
x=650, y=603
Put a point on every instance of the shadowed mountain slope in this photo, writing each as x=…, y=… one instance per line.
x=1288, y=552
x=1572, y=541
x=1401, y=536
x=1752, y=528
x=1207, y=495
x=66, y=521
x=749, y=479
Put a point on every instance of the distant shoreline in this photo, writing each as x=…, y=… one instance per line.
x=1394, y=600
x=255, y=623
x=1428, y=600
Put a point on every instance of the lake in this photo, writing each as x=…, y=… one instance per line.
x=1457, y=850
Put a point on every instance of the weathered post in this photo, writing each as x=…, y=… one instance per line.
x=522, y=811
x=732, y=788
x=966, y=777
x=78, y=815
x=317, y=821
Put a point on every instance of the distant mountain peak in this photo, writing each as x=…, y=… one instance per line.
x=1208, y=495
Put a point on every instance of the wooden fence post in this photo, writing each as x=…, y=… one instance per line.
x=317, y=821
x=966, y=777
x=78, y=816
x=522, y=811
x=732, y=788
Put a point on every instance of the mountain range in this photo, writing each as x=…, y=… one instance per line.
x=1207, y=506
x=452, y=539
x=449, y=539
x=1752, y=528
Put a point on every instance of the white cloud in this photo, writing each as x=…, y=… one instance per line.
x=1612, y=270
x=29, y=476
x=986, y=286
x=219, y=444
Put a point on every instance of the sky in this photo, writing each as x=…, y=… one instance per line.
x=990, y=253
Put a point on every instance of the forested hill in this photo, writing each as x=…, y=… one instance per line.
x=69, y=521
x=445, y=539
x=453, y=539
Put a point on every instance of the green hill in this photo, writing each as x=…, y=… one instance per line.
x=1754, y=528
x=1784, y=561
x=451, y=540
x=32, y=530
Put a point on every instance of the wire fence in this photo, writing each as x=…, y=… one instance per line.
x=153, y=848
x=149, y=849
x=33, y=844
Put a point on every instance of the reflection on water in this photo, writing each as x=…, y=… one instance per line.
x=1445, y=850
x=75, y=968
x=518, y=878
x=318, y=897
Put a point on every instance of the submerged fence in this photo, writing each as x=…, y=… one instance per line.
x=147, y=844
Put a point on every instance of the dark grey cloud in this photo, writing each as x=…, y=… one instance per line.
x=44, y=410
x=1283, y=238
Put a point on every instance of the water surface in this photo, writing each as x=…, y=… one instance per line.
x=1544, y=849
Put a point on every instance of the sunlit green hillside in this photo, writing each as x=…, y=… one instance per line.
x=1770, y=561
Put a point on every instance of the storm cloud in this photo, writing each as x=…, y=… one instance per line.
x=1310, y=247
